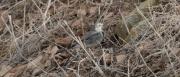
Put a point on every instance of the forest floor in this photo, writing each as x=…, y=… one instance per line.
x=37, y=38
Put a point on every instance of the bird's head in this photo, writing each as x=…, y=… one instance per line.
x=98, y=27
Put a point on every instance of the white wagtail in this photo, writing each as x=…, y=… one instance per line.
x=95, y=36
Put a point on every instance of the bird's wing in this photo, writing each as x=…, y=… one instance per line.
x=93, y=34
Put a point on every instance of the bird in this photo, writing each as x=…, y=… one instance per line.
x=94, y=37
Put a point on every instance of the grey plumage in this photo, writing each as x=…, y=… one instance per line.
x=95, y=36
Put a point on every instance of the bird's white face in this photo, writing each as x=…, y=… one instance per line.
x=98, y=26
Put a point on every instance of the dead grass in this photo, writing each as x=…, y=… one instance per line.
x=36, y=38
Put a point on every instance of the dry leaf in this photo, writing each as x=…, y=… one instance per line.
x=14, y=70
x=107, y=58
x=17, y=70
x=64, y=61
x=120, y=58
x=61, y=7
x=141, y=46
x=71, y=13
x=47, y=63
x=51, y=11
x=92, y=10
x=36, y=71
x=109, y=15
x=76, y=23
x=21, y=5
x=81, y=12
x=9, y=75
x=174, y=52
x=35, y=62
x=18, y=23
x=47, y=49
x=117, y=75
x=64, y=54
x=145, y=45
x=54, y=50
x=4, y=70
x=31, y=15
x=64, y=41
x=5, y=17
x=102, y=1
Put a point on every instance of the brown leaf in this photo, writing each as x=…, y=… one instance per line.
x=174, y=52
x=117, y=75
x=36, y=71
x=51, y=11
x=31, y=15
x=54, y=50
x=107, y=58
x=47, y=63
x=64, y=61
x=9, y=75
x=16, y=71
x=120, y=58
x=18, y=23
x=47, y=49
x=102, y=1
x=35, y=62
x=4, y=70
x=76, y=23
x=5, y=17
x=21, y=5
x=64, y=41
x=92, y=10
x=64, y=54
x=109, y=15
x=81, y=12
x=61, y=7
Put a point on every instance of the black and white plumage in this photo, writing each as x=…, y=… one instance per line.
x=95, y=36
